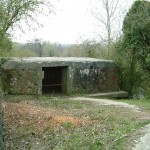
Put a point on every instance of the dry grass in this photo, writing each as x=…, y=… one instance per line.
x=46, y=123
x=17, y=115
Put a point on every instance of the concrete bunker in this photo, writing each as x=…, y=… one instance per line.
x=63, y=75
x=54, y=80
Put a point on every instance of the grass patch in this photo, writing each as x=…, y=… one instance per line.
x=46, y=123
x=143, y=103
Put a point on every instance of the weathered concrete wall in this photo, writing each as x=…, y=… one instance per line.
x=91, y=80
x=83, y=75
x=94, y=78
x=22, y=81
x=114, y=77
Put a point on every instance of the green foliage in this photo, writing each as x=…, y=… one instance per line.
x=134, y=47
x=136, y=31
x=13, y=11
x=148, y=61
x=5, y=44
x=132, y=75
x=143, y=103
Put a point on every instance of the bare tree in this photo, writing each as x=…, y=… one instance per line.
x=109, y=15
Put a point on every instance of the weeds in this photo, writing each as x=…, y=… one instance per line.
x=76, y=125
x=143, y=103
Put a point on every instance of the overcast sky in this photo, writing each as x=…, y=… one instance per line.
x=72, y=23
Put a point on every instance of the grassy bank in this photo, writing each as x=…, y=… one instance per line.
x=142, y=103
x=46, y=123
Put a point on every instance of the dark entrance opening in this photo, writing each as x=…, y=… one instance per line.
x=54, y=80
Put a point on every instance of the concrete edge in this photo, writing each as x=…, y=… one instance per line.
x=118, y=94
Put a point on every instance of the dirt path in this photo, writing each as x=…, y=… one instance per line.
x=107, y=102
x=141, y=142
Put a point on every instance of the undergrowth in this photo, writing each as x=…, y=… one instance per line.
x=102, y=127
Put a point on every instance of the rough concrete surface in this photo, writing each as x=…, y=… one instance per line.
x=118, y=94
x=48, y=75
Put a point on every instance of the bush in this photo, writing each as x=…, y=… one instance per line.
x=134, y=49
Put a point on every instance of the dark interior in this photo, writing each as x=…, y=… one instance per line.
x=52, y=81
